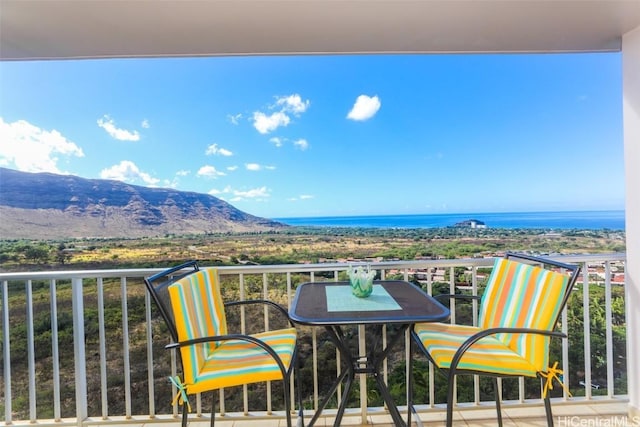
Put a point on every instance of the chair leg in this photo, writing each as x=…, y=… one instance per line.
x=498, y=399
x=450, y=386
x=185, y=414
x=300, y=421
x=213, y=408
x=410, y=383
x=287, y=403
x=547, y=408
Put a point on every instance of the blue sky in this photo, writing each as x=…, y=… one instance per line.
x=330, y=135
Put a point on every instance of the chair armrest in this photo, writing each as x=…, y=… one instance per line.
x=248, y=338
x=493, y=331
x=278, y=307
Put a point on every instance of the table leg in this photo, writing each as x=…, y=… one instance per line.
x=337, y=337
x=352, y=367
x=377, y=360
x=330, y=393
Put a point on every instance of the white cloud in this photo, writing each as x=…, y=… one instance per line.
x=232, y=168
x=127, y=171
x=225, y=190
x=284, y=105
x=234, y=118
x=210, y=172
x=276, y=141
x=175, y=182
x=364, y=108
x=238, y=195
x=302, y=144
x=257, y=167
x=255, y=193
x=108, y=125
x=301, y=197
x=213, y=149
x=145, y=124
x=293, y=104
x=265, y=124
x=29, y=148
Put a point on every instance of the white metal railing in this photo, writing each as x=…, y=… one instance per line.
x=58, y=322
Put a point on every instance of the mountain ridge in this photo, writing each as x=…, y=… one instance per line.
x=49, y=206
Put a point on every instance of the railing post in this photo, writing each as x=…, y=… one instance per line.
x=79, y=350
x=6, y=354
x=586, y=313
x=609, y=329
x=125, y=348
x=55, y=352
x=31, y=352
x=362, y=348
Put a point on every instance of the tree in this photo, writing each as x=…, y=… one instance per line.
x=38, y=254
x=62, y=256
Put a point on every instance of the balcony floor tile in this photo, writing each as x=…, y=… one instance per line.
x=569, y=414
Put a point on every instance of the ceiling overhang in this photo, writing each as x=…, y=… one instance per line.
x=68, y=29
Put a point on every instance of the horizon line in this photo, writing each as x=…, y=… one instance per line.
x=449, y=213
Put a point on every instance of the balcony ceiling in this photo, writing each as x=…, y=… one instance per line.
x=63, y=29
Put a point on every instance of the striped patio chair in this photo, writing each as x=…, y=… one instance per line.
x=213, y=358
x=518, y=313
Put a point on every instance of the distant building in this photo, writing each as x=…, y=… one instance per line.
x=471, y=223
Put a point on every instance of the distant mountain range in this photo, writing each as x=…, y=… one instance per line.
x=50, y=206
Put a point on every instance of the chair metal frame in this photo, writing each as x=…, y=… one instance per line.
x=158, y=285
x=452, y=371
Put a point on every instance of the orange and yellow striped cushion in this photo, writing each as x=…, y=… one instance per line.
x=239, y=362
x=517, y=295
x=199, y=312
x=520, y=295
x=487, y=355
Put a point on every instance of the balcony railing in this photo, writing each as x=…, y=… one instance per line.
x=80, y=346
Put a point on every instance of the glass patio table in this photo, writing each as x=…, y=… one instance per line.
x=332, y=306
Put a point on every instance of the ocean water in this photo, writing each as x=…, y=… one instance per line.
x=590, y=220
